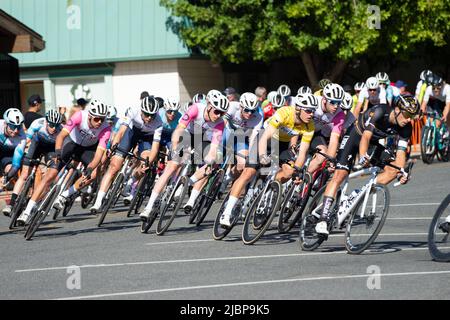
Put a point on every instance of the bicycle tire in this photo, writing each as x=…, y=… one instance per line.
x=426, y=158
x=437, y=254
x=162, y=228
x=197, y=207
x=146, y=225
x=210, y=197
x=249, y=219
x=138, y=197
x=147, y=192
x=69, y=183
x=284, y=224
x=69, y=203
x=218, y=231
x=355, y=220
x=117, y=185
x=20, y=202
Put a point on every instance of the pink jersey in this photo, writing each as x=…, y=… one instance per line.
x=194, y=121
x=327, y=123
x=81, y=133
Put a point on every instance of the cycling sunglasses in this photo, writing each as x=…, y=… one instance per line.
x=98, y=119
x=218, y=112
x=249, y=111
x=408, y=115
x=171, y=112
x=308, y=111
x=14, y=127
x=52, y=125
x=148, y=115
x=372, y=90
x=334, y=102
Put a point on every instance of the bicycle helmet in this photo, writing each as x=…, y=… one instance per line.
x=437, y=81
x=359, y=86
x=172, y=104
x=284, y=90
x=333, y=91
x=149, y=105
x=408, y=103
x=382, y=77
x=218, y=100
x=199, y=97
x=160, y=102
x=306, y=101
x=13, y=117
x=112, y=113
x=249, y=101
x=347, y=102
x=372, y=83
x=323, y=83
x=424, y=74
x=53, y=116
x=98, y=109
x=277, y=100
x=304, y=89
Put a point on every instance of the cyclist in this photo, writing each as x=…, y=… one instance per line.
x=371, y=126
x=329, y=122
x=346, y=106
x=243, y=122
x=285, y=91
x=425, y=77
x=13, y=142
x=170, y=116
x=358, y=87
x=373, y=94
x=41, y=137
x=322, y=84
x=283, y=129
x=200, y=118
x=303, y=90
x=272, y=104
x=437, y=99
x=392, y=92
x=142, y=127
x=84, y=139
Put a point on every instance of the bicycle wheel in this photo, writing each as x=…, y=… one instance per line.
x=210, y=196
x=21, y=202
x=444, y=152
x=41, y=213
x=112, y=197
x=69, y=203
x=426, y=146
x=438, y=234
x=138, y=198
x=261, y=213
x=309, y=238
x=169, y=208
x=146, y=225
x=293, y=205
x=198, y=205
x=220, y=232
x=361, y=232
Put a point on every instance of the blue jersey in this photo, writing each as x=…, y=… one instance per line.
x=10, y=144
x=39, y=129
x=169, y=127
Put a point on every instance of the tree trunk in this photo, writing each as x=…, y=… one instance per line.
x=310, y=69
x=338, y=70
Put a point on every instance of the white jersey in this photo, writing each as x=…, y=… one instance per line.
x=81, y=133
x=235, y=121
x=133, y=119
x=444, y=94
x=380, y=98
x=325, y=123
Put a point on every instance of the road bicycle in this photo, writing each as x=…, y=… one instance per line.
x=435, y=141
x=439, y=231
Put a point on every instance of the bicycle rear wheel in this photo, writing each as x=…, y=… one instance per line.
x=210, y=197
x=41, y=213
x=438, y=234
x=112, y=197
x=261, y=213
x=361, y=232
x=169, y=208
x=138, y=199
x=426, y=145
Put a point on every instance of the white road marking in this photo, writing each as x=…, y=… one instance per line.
x=288, y=255
x=176, y=242
x=240, y=284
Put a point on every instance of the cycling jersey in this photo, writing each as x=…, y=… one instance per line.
x=168, y=127
x=194, y=121
x=82, y=134
x=444, y=94
x=379, y=98
x=12, y=148
x=268, y=109
x=284, y=121
x=133, y=119
x=420, y=90
x=327, y=123
x=319, y=93
x=39, y=129
x=235, y=121
x=391, y=93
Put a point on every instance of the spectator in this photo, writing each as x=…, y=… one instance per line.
x=231, y=94
x=261, y=93
x=81, y=105
x=402, y=87
x=35, y=104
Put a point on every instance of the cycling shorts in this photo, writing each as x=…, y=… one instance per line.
x=77, y=152
x=133, y=137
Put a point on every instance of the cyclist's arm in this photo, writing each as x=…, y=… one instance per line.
x=446, y=111
x=176, y=135
x=60, y=138
x=426, y=97
x=268, y=133
x=390, y=174
x=102, y=141
x=338, y=127
x=365, y=142
x=17, y=159
x=119, y=135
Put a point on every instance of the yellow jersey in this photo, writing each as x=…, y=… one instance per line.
x=284, y=121
x=318, y=92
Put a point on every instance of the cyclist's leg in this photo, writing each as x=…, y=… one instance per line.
x=316, y=162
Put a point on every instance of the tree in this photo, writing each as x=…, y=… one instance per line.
x=326, y=35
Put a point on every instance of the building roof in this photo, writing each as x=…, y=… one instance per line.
x=16, y=37
x=93, y=31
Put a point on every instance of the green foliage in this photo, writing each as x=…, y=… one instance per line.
x=262, y=30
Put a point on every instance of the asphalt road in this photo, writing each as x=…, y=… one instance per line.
x=116, y=261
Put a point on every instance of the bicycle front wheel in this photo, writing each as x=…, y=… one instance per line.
x=366, y=221
x=112, y=197
x=438, y=234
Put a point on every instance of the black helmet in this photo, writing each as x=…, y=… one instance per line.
x=437, y=81
x=323, y=83
x=408, y=103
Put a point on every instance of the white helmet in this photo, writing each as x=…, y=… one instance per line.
x=306, y=101
x=382, y=77
x=53, y=116
x=333, y=91
x=359, y=86
x=199, y=97
x=424, y=74
x=218, y=100
x=277, y=100
x=98, y=109
x=347, y=102
x=304, y=89
x=284, y=90
x=112, y=113
x=149, y=105
x=172, y=104
x=372, y=83
x=249, y=101
x=13, y=117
